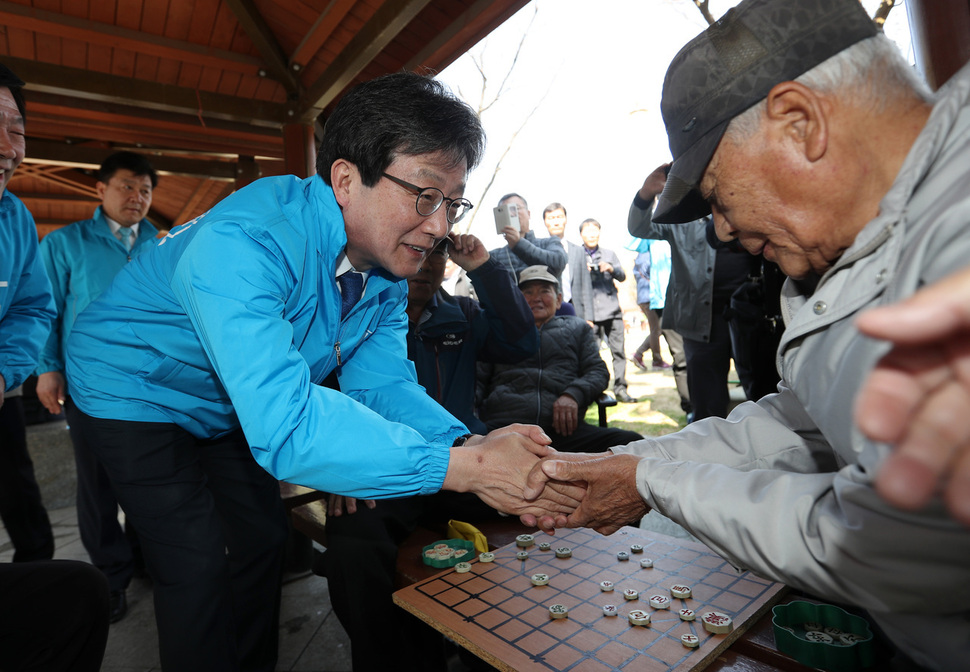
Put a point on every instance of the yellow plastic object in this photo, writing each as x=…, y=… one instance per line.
x=460, y=530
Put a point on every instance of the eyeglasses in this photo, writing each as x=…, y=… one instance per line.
x=430, y=199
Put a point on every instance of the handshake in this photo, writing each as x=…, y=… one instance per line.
x=516, y=471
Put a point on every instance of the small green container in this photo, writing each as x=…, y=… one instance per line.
x=453, y=544
x=843, y=641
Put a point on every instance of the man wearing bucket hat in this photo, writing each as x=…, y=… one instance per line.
x=808, y=138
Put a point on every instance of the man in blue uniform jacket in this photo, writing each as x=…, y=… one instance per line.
x=81, y=260
x=211, y=349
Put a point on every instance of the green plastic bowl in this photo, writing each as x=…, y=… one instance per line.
x=455, y=544
x=846, y=652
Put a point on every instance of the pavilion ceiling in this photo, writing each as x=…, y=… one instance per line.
x=216, y=92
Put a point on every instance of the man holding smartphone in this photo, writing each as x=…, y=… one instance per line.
x=524, y=249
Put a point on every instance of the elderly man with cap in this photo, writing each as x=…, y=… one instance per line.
x=807, y=137
x=553, y=387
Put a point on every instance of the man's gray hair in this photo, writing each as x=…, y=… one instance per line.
x=872, y=72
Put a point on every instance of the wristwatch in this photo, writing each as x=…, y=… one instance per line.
x=460, y=441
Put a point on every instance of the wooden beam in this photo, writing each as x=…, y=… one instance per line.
x=24, y=17
x=63, y=198
x=193, y=205
x=370, y=40
x=299, y=150
x=141, y=93
x=941, y=36
x=91, y=157
x=324, y=26
x=146, y=138
x=67, y=178
x=269, y=48
x=120, y=113
x=473, y=25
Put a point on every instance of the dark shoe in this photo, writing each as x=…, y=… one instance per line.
x=638, y=360
x=660, y=364
x=625, y=398
x=118, y=606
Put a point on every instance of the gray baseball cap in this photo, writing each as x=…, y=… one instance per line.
x=540, y=273
x=733, y=65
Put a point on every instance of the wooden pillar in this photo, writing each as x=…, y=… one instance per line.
x=247, y=170
x=299, y=150
x=941, y=37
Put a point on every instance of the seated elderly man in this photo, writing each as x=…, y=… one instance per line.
x=781, y=140
x=554, y=387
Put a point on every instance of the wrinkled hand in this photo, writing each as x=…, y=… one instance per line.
x=565, y=415
x=611, y=500
x=918, y=396
x=654, y=184
x=512, y=236
x=337, y=504
x=467, y=251
x=495, y=468
x=50, y=391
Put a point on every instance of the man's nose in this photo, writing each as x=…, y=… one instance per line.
x=7, y=149
x=722, y=227
x=437, y=225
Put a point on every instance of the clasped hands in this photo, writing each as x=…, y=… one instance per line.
x=516, y=471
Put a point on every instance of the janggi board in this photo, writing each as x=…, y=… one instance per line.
x=497, y=612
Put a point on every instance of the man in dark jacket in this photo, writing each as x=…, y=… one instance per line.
x=446, y=335
x=523, y=248
x=594, y=272
x=554, y=387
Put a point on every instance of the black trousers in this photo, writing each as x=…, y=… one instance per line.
x=612, y=331
x=587, y=438
x=53, y=616
x=708, y=364
x=359, y=565
x=106, y=542
x=212, y=529
x=21, y=508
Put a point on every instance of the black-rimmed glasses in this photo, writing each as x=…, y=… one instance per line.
x=430, y=199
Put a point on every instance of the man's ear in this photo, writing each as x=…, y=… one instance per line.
x=343, y=177
x=100, y=187
x=801, y=115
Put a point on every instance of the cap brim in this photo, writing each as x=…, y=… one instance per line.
x=681, y=201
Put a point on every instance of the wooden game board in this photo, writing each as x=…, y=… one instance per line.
x=496, y=612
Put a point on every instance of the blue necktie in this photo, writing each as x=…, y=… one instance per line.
x=351, y=285
x=126, y=237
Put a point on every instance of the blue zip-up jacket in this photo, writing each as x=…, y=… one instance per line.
x=455, y=331
x=81, y=261
x=26, y=306
x=233, y=320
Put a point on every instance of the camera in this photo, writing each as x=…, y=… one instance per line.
x=506, y=215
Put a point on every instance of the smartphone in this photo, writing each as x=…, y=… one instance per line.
x=506, y=215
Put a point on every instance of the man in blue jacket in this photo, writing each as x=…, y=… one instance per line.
x=26, y=311
x=210, y=351
x=81, y=260
x=446, y=337
x=53, y=613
